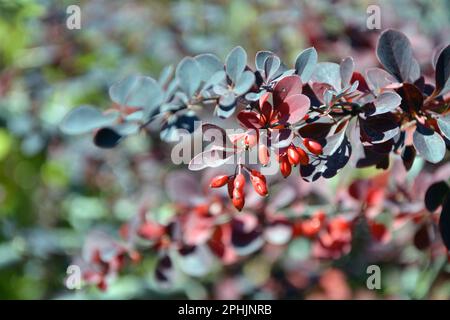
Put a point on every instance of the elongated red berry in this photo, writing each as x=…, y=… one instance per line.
x=259, y=183
x=263, y=154
x=230, y=187
x=304, y=159
x=285, y=166
x=313, y=146
x=293, y=156
x=258, y=174
x=238, y=199
x=239, y=182
x=219, y=181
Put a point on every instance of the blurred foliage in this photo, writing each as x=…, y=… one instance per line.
x=53, y=189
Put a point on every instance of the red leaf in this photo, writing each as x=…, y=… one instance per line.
x=294, y=108
x=286, y=87
x=249, y=119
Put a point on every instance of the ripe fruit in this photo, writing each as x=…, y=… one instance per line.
x=239, y=182
x=285, y=166
x=230, y=187
x=293, y=156
x=259, y=184
x=313, y=146
x=219, y=181
x=238, y=199
x=304, y=159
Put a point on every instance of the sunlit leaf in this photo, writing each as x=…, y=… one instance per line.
x=236, y=62
x=329, y=73
x=444, y=125
x=386, y=102
x=189, y=75
x=209, y=64
x=346, y=68
x=244, y=83
x=305, y=64
x=429, y=144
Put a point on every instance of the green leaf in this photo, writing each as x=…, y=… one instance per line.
x=429, y=144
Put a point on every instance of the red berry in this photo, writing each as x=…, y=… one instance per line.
x=239, y=182
x=259, y=184
x=258, y=174
x=151, y=231
x=311, y=227
x=313, y=146
x=219, y=181
x=230, y=187
x=263, y=154
x=293, y=156
x=304, y=159
x=238, y=199
x=285, y=166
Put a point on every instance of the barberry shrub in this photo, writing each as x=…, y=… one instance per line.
x=311, y=117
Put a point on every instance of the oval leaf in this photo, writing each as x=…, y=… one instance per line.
x=444, y=125
x=429, y=144
x=435, y=195
x=235, y=63
x=189, y=75
x=85, y=119
x=386, y=102
x=395, y=54
x=137, y=91
x=305, y=64
x=443, y=71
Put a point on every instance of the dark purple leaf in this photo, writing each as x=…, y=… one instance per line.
x=444, y=222
x=443, y=71
x=412, y=98
x=395, y=54
x=107, y=138
x=435, y=195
